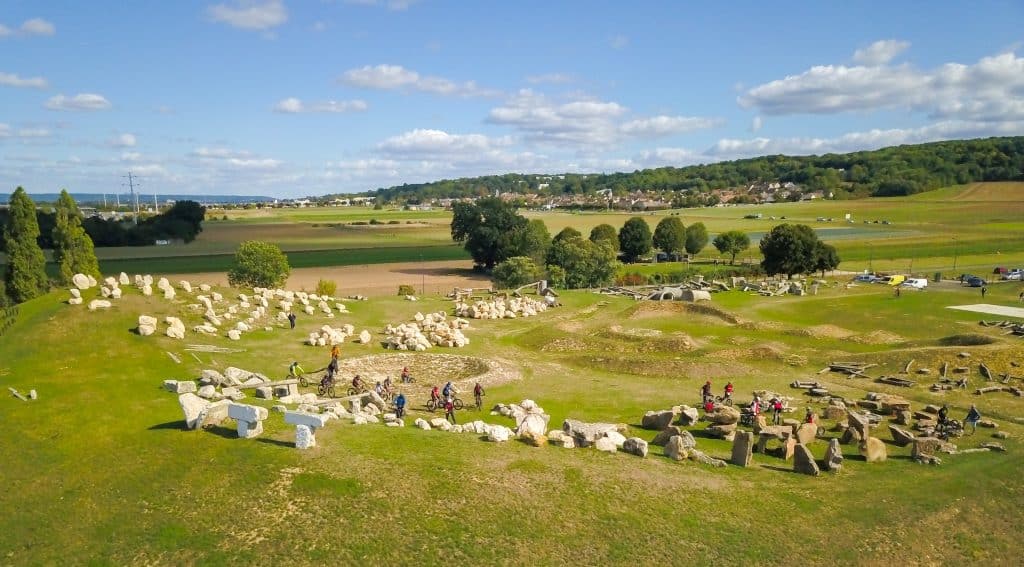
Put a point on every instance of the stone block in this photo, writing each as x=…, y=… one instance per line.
x=246, y=412
x=606, y=444
x=676, y=449
x=803, y=461
x=807, y=433
x=635, y=446
x=833, y=456
x=742, y=448
x=307, y=419
x=657, y=420
x=305, y=437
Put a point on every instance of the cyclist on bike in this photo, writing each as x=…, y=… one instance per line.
x=332, y=368
x=478, y=395
x=728, y=391
x=943, y=414
x=434, y=394
x=448, y=391
x=705, y=391
x=387, y=384
x=405, y=375
x=295, y=371
x=358, y=384
x=400, y=405
x=755, y=406
x=379, y=388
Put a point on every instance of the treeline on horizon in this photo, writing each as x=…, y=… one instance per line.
x=893, y=171
x=183, y=221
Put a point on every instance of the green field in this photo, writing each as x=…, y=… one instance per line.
x=99, y=469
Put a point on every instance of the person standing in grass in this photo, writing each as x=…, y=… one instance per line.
x=776, y=411
x=984, y=290
x=335, y=352
x=973, y=417
x=291, y=319
x=449, y=410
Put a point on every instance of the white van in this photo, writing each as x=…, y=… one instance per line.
x=916, y=283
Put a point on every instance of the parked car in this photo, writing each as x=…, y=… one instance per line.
x=916, y=283
x=892, y=280
x=866, y=278
x=1016, y=274
x=975, y=281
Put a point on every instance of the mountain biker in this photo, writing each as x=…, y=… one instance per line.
x=449, y=410
x=405, y=375
x=705, y=391
x=776, y=404
x=709, y=406
x=387, y=384
x=295, y=371
x=809, y=416
x=400, y=405
x=728, y=391
x=357, y=383
x=379, y=388
x=434, y=395
x=755, y=406
x=943, y=414
x=448, y=390
x=478, y=394
x=332, y=368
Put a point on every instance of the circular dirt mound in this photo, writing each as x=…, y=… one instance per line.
x=429, y=369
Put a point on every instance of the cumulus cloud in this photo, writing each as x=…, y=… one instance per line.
x=880, y=52
x=38, y=26
x=658, y=126
x=7, y=132
x=293, y=105
x=393, y=5
x=432, y=143
x=250, y=14
x=225, y=158
x=990, y=90
x=576, y=122
x=123, y=141
x=12, y=80
x=552, y=78
x=390, y=77
x=83, y=101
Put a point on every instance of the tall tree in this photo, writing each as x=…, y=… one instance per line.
x=670, y=235
x=696, y=238
x=72, y=248
x=605, y=232
x=491, y=229
x=514, y=272
x=732, y=242
x=26, y=265
x=259, y=264
x=580, y=263
x=635, y=239
x=825, y=257
x=567, y=233
x=790, y=249
x=536, y=241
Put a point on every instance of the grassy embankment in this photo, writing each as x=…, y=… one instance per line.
x=99, y=470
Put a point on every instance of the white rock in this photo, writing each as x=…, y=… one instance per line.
x=208, y=392
x=147, y=320
x=185, y=286
x=364, y=337
x=498, y=433
x=98, y=304
x=422, y=424
x=305, y=438
x=616, y=438
x=116, y=293
x=193, y=407
x=145, y=330
x=233, y=394
x=147, y=290
x=123, y=279
x=81, y=281
x=606, y=444
x=75, y=292
x=234, y=334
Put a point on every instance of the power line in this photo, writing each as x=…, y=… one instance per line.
x=135, y=198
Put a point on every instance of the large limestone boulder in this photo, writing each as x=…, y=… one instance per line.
x=873, y=450
x=364, y=337
x=586, y=434
x=703, y=459
x=723, y=415
x=499, y=433
x=635, y=446
x=123, y=279
x=179, y=387
x=742, y=448
x=99, y=304
x=657, y=420
x=803, y=461
x=664, y=435
x=606, y=444
x=208, y=392
x=534, y=424
x=81, y=281
x=806, y=433
x=422, y=424
x=833, y=456
x=212, y=377
x=688, y=416
x=928, y=446
x=726, y=432
x=859, y=424
x=304, y=437
x=534, y=440
x=193, y=407
x=617, y=438
x=677, y=449
x=901, y=437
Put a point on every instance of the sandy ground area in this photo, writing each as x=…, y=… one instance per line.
x=991, y=309
x=429, y=278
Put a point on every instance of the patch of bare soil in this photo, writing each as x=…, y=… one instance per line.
x=878, y=337
x=652, y=309
x=671, y=368
x=767, y=351
x=641, y=333
x=830, y=332
x=429, y=369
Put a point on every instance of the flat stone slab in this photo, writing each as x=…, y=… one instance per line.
x=308, y=419
x=991, y=309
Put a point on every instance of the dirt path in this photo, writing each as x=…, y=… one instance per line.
x=431, y=278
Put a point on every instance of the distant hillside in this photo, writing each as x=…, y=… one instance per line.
x=144, y=199
x=898, y=170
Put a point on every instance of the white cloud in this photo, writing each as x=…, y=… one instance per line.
x=880, y=52
x=756, y=124
x=432, y=143
x=865, y=140
x=250, y=14
x=123, y=141
x=6, y=132
x=393, y=5
x=552, y=78
x=541, y=119
x=12, y=80
x=38, y=26
x=293, y=105
x=618, y=42
x=131, y=156
x=657, y=126
x=225, y=158
x=991, y=90
x=660, y=157
x=389, y=77
x=83, y=101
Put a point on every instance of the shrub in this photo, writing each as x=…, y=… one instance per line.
x=326, y=287
x=259, y=264
x=359, y=223
x=375, y=221
x=394, y=222
x=514, y=272
x=406, y=289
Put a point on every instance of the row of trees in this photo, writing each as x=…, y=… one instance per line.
x=899, y=170
x=25, y=275
x=520, y=251
x=183, y=221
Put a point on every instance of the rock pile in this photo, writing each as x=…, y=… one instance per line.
x=500, y=308
x=426, y=331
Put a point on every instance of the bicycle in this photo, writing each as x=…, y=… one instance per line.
x=326, y=388
x=724, y=400
x=951, y=428
x=479, y=402
x=353, y=391
x=434, y=405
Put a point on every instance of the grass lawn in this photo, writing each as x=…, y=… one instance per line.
x=99, y=469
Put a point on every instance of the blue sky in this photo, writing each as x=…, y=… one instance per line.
x=289, y=98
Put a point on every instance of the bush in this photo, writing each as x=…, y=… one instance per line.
x=514, y=272
x=405, y=289
x=259, y=264
x=394, y=222
x=326, y=287
x=359, y=223
x=375, y=221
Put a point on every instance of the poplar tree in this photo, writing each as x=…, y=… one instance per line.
x=73, y=249
x=25, y=274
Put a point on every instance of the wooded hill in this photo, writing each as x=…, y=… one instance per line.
x=898, y=170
